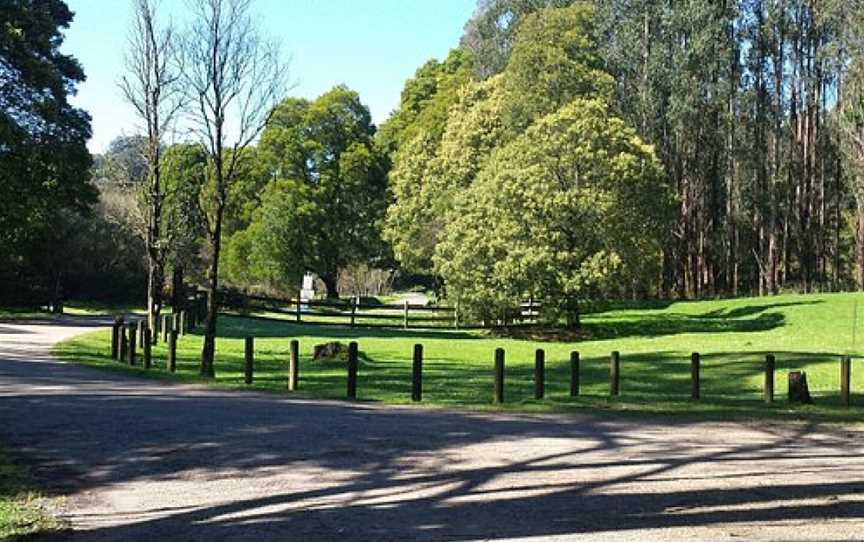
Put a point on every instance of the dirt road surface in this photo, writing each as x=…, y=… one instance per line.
x=146, y=460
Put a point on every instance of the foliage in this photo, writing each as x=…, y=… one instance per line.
x=552, y=216
x=43, y=158
x=555, y=59
x=425, y=101
x=183, y=177
x=324, y=193
x=491, y=31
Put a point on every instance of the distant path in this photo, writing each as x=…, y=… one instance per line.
x=144, y=460
x=413, y=298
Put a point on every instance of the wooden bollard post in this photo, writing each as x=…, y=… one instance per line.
x=498, y=390
x=298, y=305
x=574, y=374
x=768, y=392
x=249, y=359
x=405, y=316
x=845, y=380
x=539, y=374
x=133, y=332
x=115, y=337
x=124, y=342
x=694, y=376
x=352, y=370
x=417, y=374
x=615, y=374
x=147, y=346
x=172, y=351
x=294, y=366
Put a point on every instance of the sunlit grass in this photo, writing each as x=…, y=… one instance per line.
x=808, y=333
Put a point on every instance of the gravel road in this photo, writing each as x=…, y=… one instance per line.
x=145, y=460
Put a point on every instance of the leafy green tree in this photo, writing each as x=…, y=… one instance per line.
x=183, y=174
x=576, y=203
x=427, y=173
x=327, y=190
x=555, y=59
x=44, y=163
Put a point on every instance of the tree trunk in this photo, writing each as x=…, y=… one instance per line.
x=178, y=292
x=209, y=348
x=331, y=284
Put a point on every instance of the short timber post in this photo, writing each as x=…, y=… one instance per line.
x=539, y=374
x=294, y=366
x=417, y=374
x=133, y=332
x=298, y=305
x=768, y=392
x=615, y=373
x=694, y=376
x=352, y=370
x=249, y=359
x=124, y=342
x=574, y=374
x=498, y=390
x=405, y=315
x=172, y=351
x=845, y=380
x=147, y=346
x=115, y=337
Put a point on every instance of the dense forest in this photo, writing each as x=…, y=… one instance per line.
x=563, y=151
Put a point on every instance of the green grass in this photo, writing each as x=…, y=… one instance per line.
x=23, y=313
x=655, y=340
x=22, y=512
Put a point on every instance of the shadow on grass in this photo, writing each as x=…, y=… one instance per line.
x=234, y=326
x=737, y=320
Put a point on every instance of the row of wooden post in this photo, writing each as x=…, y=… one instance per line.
x=123, y=348
x=126, y=336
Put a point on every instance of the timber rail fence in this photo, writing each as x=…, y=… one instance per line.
x=354, y=312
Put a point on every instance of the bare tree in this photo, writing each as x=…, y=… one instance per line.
x=151, y=86
x=235, y=78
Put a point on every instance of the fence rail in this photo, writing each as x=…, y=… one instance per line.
x=355, y=312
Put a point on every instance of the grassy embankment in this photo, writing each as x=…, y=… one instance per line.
x=733, y=336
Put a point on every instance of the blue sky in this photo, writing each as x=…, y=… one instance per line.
x=370, y=45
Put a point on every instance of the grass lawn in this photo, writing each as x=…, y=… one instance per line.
x=655, y=340
x=23, y=313
x=21, y=510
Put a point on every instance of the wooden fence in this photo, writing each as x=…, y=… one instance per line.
x=358, y=312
